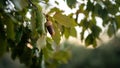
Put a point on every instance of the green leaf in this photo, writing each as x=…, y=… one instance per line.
x=73, y=32
x=57, y=35
x=33, y=25
x=54, y=10
x=64, y=20
x=66, y=33
x=40, y=20
x=90, y=6
x=33, y=21
x=111, y=30
x=96, y=30
x=118, y=2
x=58, y=55
x=71, y=3
x=97, y=10
x=10, y=30
x=3, y=40
x=49, y=40
x=37, y=21
x=81, y=9
x=117, y=20
x=103, y=13
x=70, y=32
x=3, y=45
x=49, y=46
x=2, y=3
x=47, y=53
x=20, y=4
x=106, y=21
x=90, y=40
x=84, y=24
x=18, y=33
x=111, y=8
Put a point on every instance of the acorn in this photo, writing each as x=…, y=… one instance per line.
x=50, y=28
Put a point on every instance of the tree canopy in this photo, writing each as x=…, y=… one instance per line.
x=26, y=36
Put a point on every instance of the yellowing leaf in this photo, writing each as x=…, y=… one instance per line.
x=56, y=37
x=54, y=10
x=70, y=32
x=66, y=33
x=64, y=20
x=73, y=32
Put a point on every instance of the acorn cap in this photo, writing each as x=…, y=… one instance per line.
x=48, y=23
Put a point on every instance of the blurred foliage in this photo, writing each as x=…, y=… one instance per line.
x=105, y=56
x=26, y=36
